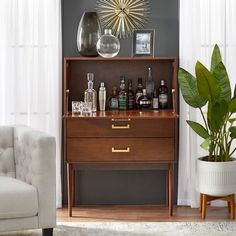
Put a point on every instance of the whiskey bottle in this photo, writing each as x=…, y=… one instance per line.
x=90, y=95
x=149, y=83
x=131, y=100
x=113, y=100
x=144, y=100
x=122, y=98
x=155, y=100
x=163, y=95
x=139, y=92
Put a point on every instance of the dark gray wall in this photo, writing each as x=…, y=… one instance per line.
x=122, y=187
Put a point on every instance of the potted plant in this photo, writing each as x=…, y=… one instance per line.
x=216, y=172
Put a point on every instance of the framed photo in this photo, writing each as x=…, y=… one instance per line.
x=143, y=42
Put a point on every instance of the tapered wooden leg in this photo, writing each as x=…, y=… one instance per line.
x=200, y=207
x=232, y=207
x=170, y=184
x=167, y=188
x=70, y=187
x=73, y=187
x=204, y=205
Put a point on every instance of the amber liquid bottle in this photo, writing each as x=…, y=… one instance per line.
x=131, y=99
x=144, y=100
x=122, y=97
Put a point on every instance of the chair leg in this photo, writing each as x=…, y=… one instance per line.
x=47, y=232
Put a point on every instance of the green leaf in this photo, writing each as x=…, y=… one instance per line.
x=207, y=84
x=216, y=115
x=198, y=128
x=232, y=130
x=188, y=87
x=232, y=120
x=205, y=144
x=220, y=73
x=232, y=105
x=215, y=58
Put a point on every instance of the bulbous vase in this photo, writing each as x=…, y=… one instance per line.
x=89, y=31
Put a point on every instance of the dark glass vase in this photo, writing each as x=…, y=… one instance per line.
x=89, y=31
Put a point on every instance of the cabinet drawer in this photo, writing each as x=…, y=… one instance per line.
x=120, y=128
x=117, y=149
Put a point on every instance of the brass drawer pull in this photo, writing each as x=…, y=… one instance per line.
x=120, y=126
x=120, y=119
x=120, y=150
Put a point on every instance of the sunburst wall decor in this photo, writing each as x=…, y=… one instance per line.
x=123, y=16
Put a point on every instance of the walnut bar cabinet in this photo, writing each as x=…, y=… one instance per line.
x=131, y=139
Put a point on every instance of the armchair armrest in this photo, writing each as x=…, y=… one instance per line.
x=35, y=161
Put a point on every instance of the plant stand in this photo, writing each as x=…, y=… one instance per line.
x=204, y=199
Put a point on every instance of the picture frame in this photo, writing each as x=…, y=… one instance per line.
x=143, y=43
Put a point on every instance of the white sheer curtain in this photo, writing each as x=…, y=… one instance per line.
x=203, y=23
x=30, y=67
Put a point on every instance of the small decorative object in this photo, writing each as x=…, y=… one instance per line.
x=143, y=42
x=76, y=108
x=89, y=31
x=102, y=97
x=123, y=16
x=108, y=45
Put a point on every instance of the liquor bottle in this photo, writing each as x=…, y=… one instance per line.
x=139, y=92
x=102, y=97
x=131, y=100
x=113, y=100
x=144, y=100
x=163, y=95
x=149, y=83
x=155, y=100
x=122, y=98
x=90, y=95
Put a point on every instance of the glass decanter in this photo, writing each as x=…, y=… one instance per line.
x=90, y=95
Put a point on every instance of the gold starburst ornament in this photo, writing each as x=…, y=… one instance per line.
x=123, y=16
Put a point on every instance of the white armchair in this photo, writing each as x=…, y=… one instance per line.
x=27, y=180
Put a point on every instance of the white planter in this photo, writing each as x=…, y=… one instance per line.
x=216, y=178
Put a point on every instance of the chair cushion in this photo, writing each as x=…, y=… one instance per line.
x=17, y=199
x=7, y=165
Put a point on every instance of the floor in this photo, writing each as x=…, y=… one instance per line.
x=149, y=213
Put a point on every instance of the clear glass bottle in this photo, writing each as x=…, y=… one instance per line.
x=149, y=83
x=131, y=99
x=163, y=95
x=144, y=100
x=102, y=97
x=122, y=98
x=139, y=91
x=108, y=45
x=113, y=100
x=155, y=100
x=90, y=95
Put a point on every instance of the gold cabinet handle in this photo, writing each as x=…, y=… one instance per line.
x=120, y=150
x=127, y=126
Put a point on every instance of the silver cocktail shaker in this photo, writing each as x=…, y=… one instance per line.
x=102, y=97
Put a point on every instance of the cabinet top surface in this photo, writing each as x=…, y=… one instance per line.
x=134, y=114
x=119, y=58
